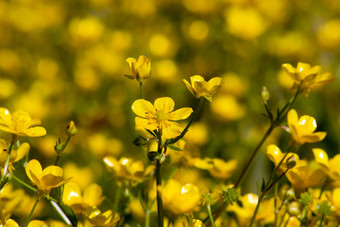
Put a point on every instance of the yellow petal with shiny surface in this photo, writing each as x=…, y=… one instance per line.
x=180, y=114
x=143, y=108
x=33, y=171
x=71, y=194
x=52, y=176
x=164, y=104
x=35, y=131
x=307, y=124
x=22, y=151
x=93, y=195
x=5, y=116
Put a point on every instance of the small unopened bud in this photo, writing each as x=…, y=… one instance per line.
x=291, y=162
x=290, y=194
x=293, y=208
x=71, y=129
x=59, y=148
x=265, y=94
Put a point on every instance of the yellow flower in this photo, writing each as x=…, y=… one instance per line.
x=275, y=155
x=180, y=199
x=335, y=198
x=11, y=200
x=305, y=174
x=92, y=196
x=303, y=128
x=160, y=116
x=330, y=167
x=307, y=76
x=108, y=218
x=244, y=212
x=199, y=87
x=127, y=169
x=37, y=223
x=50, y=177
x=20, y=124
x=218, y=168
x=139, y=69
x=16, y=155
x=10, y=223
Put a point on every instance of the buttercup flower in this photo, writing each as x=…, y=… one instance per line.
x=218, y=168
x=303, y=128
x=16, y=155
x=92, y=196
x=330, y=167
x=180, y=199
x=20, y=124
x=199, y=87
x=307, y=76
x=127, y=169
x=50, y=177
x=108, y=218
x=275, y=155
x=305, y=174
x=160, y=116
x=37, y=223
x=141, y=69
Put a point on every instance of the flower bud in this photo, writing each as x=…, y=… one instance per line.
x=291, y=162
x=293, y=209
x=290, y=194
x=71, y=129
x=265, y=94
x=140, y=141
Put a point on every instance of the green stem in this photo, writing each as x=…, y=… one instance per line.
x=210, y=216
x=194, y=116
x=141, y=89
x=160, y=214
x=62, y=150
x=276, y=211
x=117, y=197
x=321, y=221
x=32, y=211
x=147, y=217
x=250, y=161
x=159, y=195
x=32, y=188
x=7, y=161
x=282, y=218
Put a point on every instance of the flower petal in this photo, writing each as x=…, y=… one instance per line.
x=292, y=118
x=5, y=117
x=52, y=176
x=190, y=88
x=320, y=156
x=146, y=123
x=307, y=124
x=143, y=108
x=72, y=194
x=315, y=137
x=35, y=131
x=22, y=151
x=173, y=130
x=93, y=195
x=33, y=171
x=180, y=114
x=164, y=104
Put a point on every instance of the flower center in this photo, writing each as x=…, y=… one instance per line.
x=161, y=116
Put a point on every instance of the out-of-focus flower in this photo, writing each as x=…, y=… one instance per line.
x=305, y=174
x=127, y=169
x=16, y=155
x=307, y=76
x=85, y=30
x=196, y=223
x=7, y=88
x=180, y=199
x=82, y=176
x=72, y=197
x=10, y=199
x=199, y=87
x=162, y=45
x=275, y=155
x=97, y=218
x=37, y=223
x=218, y=168
x=137, y=210
x=160, y=116
x=244, y=212
x=197, y=134
x=245, y=23
x=20, y=124
x=101, y=145
x=227, y=108
x=139, y=69
x=329, y=34
x=330, y=167
x=303, y=128
x=45, y=180
x=335, y=198
x=234, y=84
x=10, y=223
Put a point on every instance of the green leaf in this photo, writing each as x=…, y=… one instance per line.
x=172, y=147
